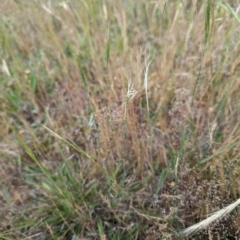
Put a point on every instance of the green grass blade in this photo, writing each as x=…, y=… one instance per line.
x=108, y=48
x=228, y=8
x=83, y=75
x=73, y=146
x=161, y=180
x=207, y=21
x=33, y=157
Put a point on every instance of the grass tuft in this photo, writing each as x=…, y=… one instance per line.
x=119, y=120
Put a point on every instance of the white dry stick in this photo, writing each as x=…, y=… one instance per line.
x=211, y=132
x=53, y=133
x=49, y=11
x=214, y=217
x=131, y=93
x=5, y=68
x=146, y=82
x=176, y=166
x=64, y=5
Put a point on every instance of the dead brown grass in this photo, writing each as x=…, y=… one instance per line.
x=68, y=67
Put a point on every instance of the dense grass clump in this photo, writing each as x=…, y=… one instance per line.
x=119, y=120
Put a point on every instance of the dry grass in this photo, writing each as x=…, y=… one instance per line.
x=118, y=121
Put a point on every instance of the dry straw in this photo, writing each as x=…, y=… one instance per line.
x=217, y=216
